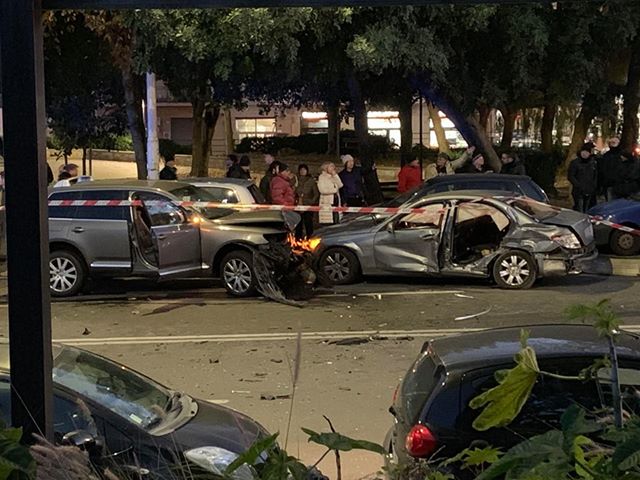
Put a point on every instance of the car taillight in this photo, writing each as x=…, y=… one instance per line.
x=420, y=442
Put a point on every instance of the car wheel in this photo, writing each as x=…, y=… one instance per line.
x=624, y=243
x=339, y=266
x=237, y=274
x=514, y=270
x=67, y=273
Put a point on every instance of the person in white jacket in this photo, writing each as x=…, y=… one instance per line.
x=329, y=184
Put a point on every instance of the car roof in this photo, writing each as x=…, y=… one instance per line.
x=485, y=177
x=498, y=346
x=243, y=182
x=500, y=195
x=122, y=184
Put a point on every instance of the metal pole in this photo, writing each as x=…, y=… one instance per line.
x=153, y=149
x=27, y=224
x=421, y=144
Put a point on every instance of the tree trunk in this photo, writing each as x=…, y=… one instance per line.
x=405, y=110
x=631, y=100
x=509, y=117
x=484, y=111
x=133, y=94
x=205, y=118
x=84, y=160
x=372, y=190
x=580, y=129
x=434, y=115
x=333, y=132
x=483, y=143
x=546, y=129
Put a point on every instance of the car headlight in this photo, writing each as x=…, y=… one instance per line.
x=567, y=240
x=216, y=460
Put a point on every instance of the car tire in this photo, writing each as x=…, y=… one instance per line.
x=237, y=275
x=67, y=273
x=339, y=266
x=624, y=243
x=515, y=270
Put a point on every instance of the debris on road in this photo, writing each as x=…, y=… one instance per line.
x=86, y=331
x=276, y=360
x=468, y=317
x=462, y=295
x=212, y=361
x=270, y=397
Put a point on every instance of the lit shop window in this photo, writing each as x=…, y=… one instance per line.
x=255, y=127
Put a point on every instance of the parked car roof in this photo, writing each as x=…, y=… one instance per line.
x=125, y=183
x=486, y=177
x=229, y=181
x=495, y=346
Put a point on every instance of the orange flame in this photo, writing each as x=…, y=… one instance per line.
x=304, y=245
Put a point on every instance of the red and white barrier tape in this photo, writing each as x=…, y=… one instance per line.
x=291, y=208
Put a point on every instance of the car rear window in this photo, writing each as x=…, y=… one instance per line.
x=419, y=384
x=63, y=212
x=532, y=190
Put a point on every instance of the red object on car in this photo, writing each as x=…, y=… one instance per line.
x=420, y=442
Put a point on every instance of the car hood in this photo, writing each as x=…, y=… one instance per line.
x=616, y=208
x=261, y=218
x=578, y=222
x=218, y=426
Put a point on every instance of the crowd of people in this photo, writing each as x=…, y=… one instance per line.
x=613, y=175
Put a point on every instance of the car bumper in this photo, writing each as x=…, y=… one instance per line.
x=565, y=262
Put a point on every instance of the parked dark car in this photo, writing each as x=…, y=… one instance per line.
x=141, y=425
x=518, y=184
x=431, y=406
x=510, y=239
x=624, y=212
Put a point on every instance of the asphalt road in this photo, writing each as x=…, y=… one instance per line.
x=357, y=342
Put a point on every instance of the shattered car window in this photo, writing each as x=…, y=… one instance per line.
x=537, y=210
x=431, y=217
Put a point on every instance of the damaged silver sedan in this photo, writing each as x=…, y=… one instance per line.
x=509, y=239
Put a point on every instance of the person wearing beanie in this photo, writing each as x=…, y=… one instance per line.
x=583, y=176
x=281, y=190
x=351, y=193
x=477, y=165
x=242, y=169
x=445, y=166
x=607, y=167
x=511, y=164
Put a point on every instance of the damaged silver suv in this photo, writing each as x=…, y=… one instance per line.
x=510, y=239
x=155, y=237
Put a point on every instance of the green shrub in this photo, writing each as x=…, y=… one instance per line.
x=169, y=149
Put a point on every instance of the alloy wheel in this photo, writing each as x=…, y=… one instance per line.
x=63, y=274
x=237, y=275
x=337, y=267
x=514, y=270
x=626, y=241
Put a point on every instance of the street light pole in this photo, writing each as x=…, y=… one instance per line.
x=153, y=148
x=27, y=217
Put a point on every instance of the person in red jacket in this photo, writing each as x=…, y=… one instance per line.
x=281, y=190
x=410, y=176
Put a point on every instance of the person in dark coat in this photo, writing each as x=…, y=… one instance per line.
x=169, y=172
x=625, y=176
x=607, y=166
x=583, y=176
x=512, y=165
x=477, y=165
x=265, y=182
x=307, y=194
x=241, y=170
x=351, y=193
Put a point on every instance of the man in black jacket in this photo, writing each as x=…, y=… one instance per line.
x=606, y=168
x=511, y=164
x=169, y=172
x=624, y=176
x=583, y=176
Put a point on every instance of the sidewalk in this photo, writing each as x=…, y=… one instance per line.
x=611, y=265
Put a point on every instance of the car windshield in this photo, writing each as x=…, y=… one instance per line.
x=191, y=193
x=129, y=395
x=539, y=211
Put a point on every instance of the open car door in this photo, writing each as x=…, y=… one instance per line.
x=175, y=239
x=411, y=242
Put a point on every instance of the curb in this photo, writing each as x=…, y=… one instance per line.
x=609, y=265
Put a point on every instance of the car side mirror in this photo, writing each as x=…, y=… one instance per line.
x=390, y=227
x=84, y=441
